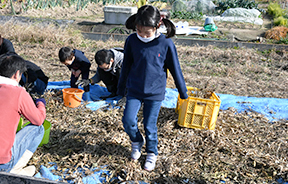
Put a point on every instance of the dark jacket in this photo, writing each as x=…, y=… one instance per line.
x=80, y=62
x=116, y=67
x=34, y=72
x=6, y=46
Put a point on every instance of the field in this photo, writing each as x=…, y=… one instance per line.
x=243, y=148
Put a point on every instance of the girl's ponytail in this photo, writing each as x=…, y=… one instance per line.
x=149, y=15
x=131, y=22
x=170, y=27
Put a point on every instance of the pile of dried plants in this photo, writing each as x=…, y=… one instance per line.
x=277, y=33
x=243, y=148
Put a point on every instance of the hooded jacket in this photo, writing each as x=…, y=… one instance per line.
x=116, y=66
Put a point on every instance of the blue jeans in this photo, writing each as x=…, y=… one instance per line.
x=151, y=110
x=39, y=86
x=29, y=138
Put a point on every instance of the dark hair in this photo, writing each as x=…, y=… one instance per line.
x=1, y=40
x=10, y=63
x=103, y=56
x=65, y=53
x=148, y=15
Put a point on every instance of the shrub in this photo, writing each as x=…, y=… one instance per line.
x=283, y=41
x=275, y=10
x=186, y=15
x=280, y=21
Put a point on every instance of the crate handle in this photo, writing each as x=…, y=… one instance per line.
x=200, y=103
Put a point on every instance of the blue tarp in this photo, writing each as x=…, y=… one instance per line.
x=272, y=108
x=97, y=176
x=96, y=91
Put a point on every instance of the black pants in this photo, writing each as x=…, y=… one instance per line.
x=109, y=80
x=73, y=80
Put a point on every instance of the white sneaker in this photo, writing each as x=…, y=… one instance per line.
x=19, y=167
x=28, y=171
x=150, y=162
x=136, y=149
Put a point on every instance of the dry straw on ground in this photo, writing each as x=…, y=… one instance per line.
x=244, y=147
x=277, y=33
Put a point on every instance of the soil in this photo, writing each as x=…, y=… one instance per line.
x=225, y=31
x=91, y=19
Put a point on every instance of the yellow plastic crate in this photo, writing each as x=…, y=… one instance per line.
x=197, y=112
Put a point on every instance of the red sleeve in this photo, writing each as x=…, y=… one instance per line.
x=35, y=114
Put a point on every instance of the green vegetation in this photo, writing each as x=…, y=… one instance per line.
x=280, y=21
x=275, y=10
x=2, y=4
x=12, y=8
x=280, y=15
x=120, y=30
x=223, y=5
x=179, y=8
x=186, y=15
x=43, y=4
x=283, y=41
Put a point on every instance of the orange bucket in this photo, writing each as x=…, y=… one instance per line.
x=72, y=97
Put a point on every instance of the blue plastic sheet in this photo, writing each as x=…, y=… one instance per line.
x=272, y=108
x=281, y=181
x=98, y=175
x=96, y=91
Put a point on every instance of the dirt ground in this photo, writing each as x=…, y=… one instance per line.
x=243, y=148
x=92, y=17
x=236, y=71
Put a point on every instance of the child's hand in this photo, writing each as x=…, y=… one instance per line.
x=77, y=73
x=73, y=71
x=83, y=82
x=122, y=101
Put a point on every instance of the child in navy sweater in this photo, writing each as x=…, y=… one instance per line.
x=77, y=62
x=147, y=56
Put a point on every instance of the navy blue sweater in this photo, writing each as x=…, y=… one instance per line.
x=80, y=62
x=144, y=68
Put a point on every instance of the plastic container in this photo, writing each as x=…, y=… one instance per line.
x=47, y=128
x=118, y=14
x=182, y=25
x=20, y=124
x=210, y=27
x=72, y=97
x=208, y=21
x=198, y=112
x=185, y=24
x=46, y=125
